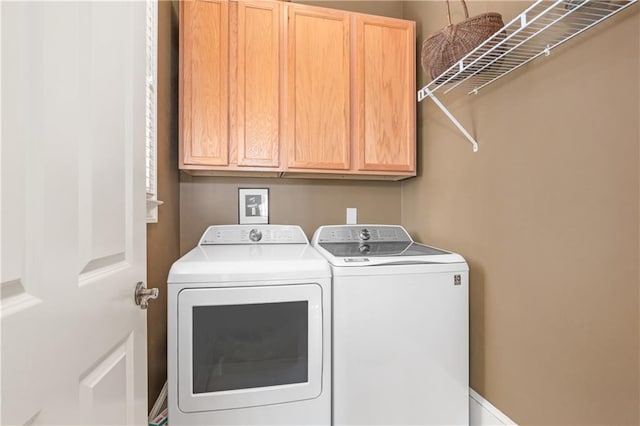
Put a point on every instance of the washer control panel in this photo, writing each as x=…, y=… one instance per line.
x=253, y=234
x=362, y=233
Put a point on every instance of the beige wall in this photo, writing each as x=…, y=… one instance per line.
x=547, y=215
x=163, y=237
x=309, y=203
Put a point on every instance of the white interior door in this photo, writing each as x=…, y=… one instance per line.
x=73, y=213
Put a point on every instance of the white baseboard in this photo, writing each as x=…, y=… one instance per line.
x=483, y=413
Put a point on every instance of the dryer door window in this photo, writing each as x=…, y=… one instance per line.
x=249, y=346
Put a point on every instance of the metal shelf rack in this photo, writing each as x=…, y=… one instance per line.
x=533, y=33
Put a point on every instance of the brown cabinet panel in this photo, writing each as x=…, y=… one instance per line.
x=318, y=88
x=204, y=82
x=385, y=93
x=257, y=82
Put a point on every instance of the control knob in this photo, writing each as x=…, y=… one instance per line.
x=255, y=235
x=364, y=249
x=365, y=234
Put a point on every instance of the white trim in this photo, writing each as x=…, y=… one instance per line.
x=483, y=413
x=151, y=108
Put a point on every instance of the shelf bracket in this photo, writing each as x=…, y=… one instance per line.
x=425, y=92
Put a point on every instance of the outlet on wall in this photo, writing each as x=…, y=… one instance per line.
x=352, y=215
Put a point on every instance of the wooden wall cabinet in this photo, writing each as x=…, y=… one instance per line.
x=318, y=88
x=256, y=124
x=285, y=89
x=204, y=86
x=385, y=94
x=230, y=76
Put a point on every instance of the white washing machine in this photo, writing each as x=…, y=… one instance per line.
x=249, y=330
x=400, y=328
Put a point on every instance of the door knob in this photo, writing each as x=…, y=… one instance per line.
x=144, y=294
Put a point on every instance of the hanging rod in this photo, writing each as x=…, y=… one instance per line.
x=533, y=33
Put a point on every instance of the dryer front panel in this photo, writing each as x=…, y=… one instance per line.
x=249, y=346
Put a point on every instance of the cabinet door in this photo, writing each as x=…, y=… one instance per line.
x=318, y=89
x=385, y=94
x=257, y=83
x=204, y=39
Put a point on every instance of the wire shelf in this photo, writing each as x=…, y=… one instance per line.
x=533, y=33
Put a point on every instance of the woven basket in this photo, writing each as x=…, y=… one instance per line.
x=446, y=47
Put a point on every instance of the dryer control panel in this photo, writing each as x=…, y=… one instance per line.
x=253, y=234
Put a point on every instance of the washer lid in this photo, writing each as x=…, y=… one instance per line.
x=366, y=245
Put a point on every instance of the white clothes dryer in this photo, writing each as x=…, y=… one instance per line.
x=249, y=323
x=400, y=328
